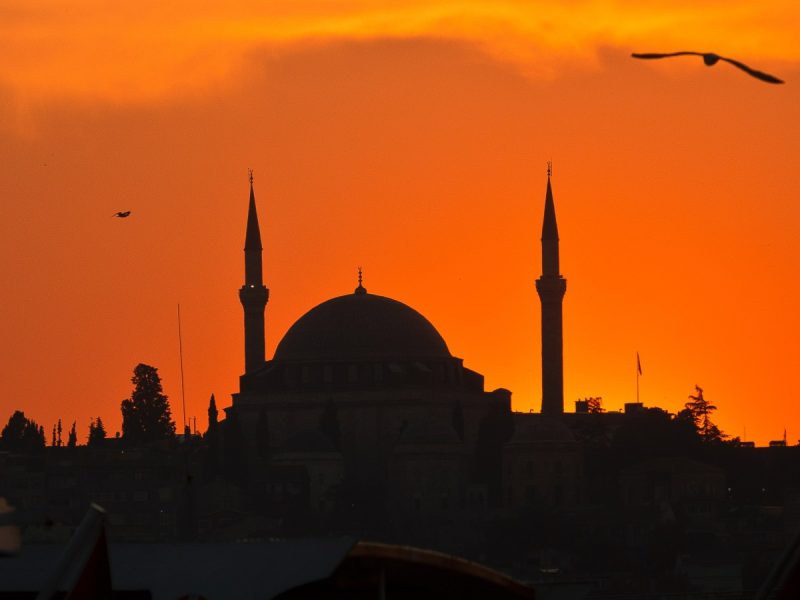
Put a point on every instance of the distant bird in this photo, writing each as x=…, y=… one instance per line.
x=122, y=214
x=710, y=59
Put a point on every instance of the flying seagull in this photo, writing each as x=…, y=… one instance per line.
x=710, y=59
x=122, y=214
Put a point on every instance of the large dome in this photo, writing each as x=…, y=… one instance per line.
x=361, y=326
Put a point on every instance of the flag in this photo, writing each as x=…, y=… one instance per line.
x=638, y=364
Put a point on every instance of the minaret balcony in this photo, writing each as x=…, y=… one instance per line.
x=252, y=294
x=551, y=286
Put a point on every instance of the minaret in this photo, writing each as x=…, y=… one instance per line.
x=253, y=294
x=551, y=287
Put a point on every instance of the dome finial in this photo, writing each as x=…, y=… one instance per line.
x=549, y=168
x=360, y=289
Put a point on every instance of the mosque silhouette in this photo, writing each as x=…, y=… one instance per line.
x=364, y=395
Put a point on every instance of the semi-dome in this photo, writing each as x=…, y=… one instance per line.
x=361, y=326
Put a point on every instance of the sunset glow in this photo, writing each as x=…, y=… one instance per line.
x=136, y=53
x=409, y=138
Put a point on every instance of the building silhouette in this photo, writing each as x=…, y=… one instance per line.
x=253, y=295
x=551, y=287
x=363, y=423
x=364, y=393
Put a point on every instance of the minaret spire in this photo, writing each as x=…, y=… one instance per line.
x=551, y=287
x=252, y=240
x=360, y=289
x=253, y=294
x=549, y=231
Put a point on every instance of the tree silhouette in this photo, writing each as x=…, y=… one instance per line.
x=72, y=439
x=594, y=405
x=97, y=432
x=212, y=414
x=699, y=410
x=212, y=453
x=58, y=430
x=21, y=434
x=146, y=415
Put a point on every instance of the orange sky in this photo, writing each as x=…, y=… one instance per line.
x=409, y=138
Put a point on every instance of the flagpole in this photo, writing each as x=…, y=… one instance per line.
x=638, y=374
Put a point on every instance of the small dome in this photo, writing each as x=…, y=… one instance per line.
x=361, y=326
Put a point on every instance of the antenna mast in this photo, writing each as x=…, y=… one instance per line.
x=180, y=351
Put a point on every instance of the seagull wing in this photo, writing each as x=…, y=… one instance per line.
x=664, y=54
x=757, y=74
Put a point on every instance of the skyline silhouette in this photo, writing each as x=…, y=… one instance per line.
x=364, y=424
x=421, y=160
